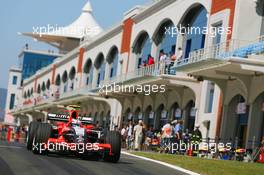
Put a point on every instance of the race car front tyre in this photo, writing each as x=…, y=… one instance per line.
x=41, y=138
x=33, y=126
x=114, y=139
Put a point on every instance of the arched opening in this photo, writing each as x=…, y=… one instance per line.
x=25, y=95
x=175, y=112
x=127, y=115
x=65, y=81
x=39, y=89
x=101, y=119
x=72, y=77
x=236, y=121
x=193, y=24
x=43, y=87
x=100, y=66
x=166, y=41
x=31, y=92
x=88, y=72
x=161, y=117
x=96, y=117
x=112, y=60
x=58, y=80
x=149, y=117
x=142, y=48
x=48, y=84
x=28, y=94
x=256, y=128
x=137, y=115
x=190, y=114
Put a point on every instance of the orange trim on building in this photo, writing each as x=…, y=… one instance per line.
x=126, y=38
x=80, y=61
x=219, y=116
x=219, y=5
x=53, y=74
x=127, y=33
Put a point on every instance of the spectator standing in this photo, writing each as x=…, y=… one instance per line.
x=123, y=135
x=167, y=134
x=162, y=59
x=129, y=135
x=179, y=55
x=196, y=139
x=178, y=130
x=138, y=135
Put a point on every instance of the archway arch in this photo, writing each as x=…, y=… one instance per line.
x=72, y=76
x=127, y=115
x=166, y=41
x=192, y=23
x=149, y=117
x=28, y=94
x=175, y=112
x=100, y=67
x=43, y=87
x=39, y=89
x=161, y=117
x=256, y=124
x=190, y=114
x=72, y=73
x=58, y=80
x=88, y=71
x=112, y=59
x=142, y=48
x=236, y=121
x=65, y=81
x=48, y=84
x=137, y=115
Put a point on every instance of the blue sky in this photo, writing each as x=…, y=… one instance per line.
x=21, y=15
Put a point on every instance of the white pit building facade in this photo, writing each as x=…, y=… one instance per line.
x=217, y=83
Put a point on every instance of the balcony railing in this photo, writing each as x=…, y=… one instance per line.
x=222, y=51
x=156, y=69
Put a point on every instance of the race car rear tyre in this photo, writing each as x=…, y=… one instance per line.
x=41, y=138
x=32, y=129
x=114, y=139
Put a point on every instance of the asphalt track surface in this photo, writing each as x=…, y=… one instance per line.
x=16, y=160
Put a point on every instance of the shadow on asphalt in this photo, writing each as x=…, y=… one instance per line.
x=86, y=158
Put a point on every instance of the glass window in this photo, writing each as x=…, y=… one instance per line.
x=194, y=40
x=14, y=81
x=12, y=101
x=209, y=97
x=217, y=37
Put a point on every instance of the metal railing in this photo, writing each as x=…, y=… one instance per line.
x=221, y=51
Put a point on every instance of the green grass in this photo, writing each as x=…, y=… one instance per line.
x=207, y=166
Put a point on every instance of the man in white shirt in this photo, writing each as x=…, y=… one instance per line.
x=179, y=55
x=138, y=132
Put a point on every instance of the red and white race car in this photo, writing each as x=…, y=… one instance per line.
x=69, y=133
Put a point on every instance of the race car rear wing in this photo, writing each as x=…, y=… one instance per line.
x=58, y=117
x=65, y=118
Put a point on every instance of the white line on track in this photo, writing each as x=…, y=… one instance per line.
x=162, y=163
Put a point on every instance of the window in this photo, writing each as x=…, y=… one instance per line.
x=12, y=101
x=217, y=37
x=14, y=81
x=209, y=97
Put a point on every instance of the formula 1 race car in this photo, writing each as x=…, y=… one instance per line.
x=71, y=134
